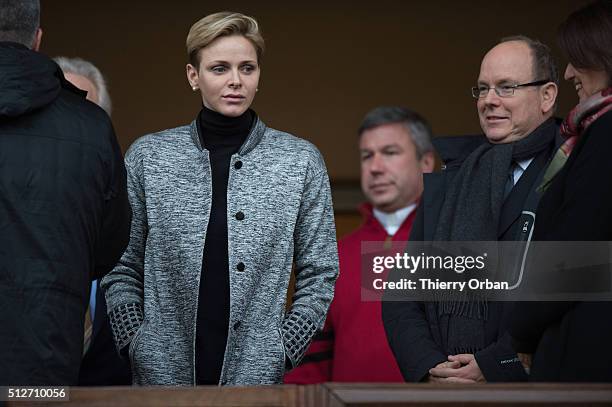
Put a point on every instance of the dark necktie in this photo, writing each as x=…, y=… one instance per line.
x=510, y=180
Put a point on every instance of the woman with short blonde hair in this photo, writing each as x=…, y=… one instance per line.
x=223, y=207
x=225, y=23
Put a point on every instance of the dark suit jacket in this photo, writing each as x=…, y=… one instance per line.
x=101, y=365
x=572, y=339
x=412, y=327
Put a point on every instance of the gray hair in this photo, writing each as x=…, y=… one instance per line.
x=418, y=128
x=78, y=66
x=544, y=65
x=19, y=21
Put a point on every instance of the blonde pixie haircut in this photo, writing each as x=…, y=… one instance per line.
x=222, y=24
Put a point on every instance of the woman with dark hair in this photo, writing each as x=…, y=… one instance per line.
x=223, y=208
x=572, y=340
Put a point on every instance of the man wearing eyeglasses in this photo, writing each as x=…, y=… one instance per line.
x=487, y=191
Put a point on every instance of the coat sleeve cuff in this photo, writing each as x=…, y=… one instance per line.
x=499, y=363
x=125, y=320
x=297, y=331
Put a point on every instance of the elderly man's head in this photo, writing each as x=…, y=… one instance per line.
x=516, y=89
x=84, y=75
x=395, y=146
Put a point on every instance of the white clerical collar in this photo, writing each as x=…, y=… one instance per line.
x=393, y=221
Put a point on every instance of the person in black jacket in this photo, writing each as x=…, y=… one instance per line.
x=571, y=340
x=101, y=365
x=486, y=192
x=64, y=213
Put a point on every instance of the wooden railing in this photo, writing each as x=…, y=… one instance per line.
x=341, y=395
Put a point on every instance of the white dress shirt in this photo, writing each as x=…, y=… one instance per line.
x=520, y=168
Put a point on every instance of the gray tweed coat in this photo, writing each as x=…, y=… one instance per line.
x=281, y=185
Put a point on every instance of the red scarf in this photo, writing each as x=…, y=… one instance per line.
x=573, y=127
x=582, y=116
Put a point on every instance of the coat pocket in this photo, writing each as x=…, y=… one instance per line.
x=260, y=358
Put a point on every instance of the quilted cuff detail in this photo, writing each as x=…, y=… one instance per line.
x=125, y=321
x=297, y=334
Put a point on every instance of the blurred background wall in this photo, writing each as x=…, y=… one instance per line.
x=327, y=63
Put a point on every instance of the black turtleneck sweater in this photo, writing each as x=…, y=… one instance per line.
x=222, y=136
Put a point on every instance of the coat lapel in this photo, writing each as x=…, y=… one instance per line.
x=522, y=193
x=432, y=201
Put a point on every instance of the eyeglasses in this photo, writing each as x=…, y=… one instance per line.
x=506, y=91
